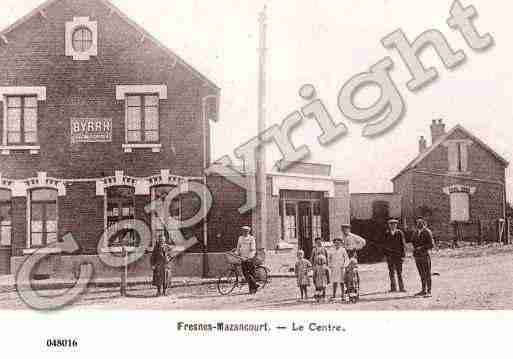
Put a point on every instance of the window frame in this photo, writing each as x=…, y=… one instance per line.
x=142, y=118
x=289, y=223
x=45, y=203
x=317, y=220
x=452, y=206
x=119, y=201
x=22, y=108
x=154, y=216
x=82, y=29
x=6, y=203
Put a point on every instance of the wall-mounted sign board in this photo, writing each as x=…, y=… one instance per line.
x=85, y=130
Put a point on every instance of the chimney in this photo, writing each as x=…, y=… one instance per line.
x=422, y=144
x=437, y=130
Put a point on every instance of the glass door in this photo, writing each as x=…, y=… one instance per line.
x=305, y=227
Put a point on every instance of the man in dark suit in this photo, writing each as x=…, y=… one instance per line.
x=394, y=248
x=422, y=243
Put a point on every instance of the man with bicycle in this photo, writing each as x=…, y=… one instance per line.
x=246, y=249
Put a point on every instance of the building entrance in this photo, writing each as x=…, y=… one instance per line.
x=301, y=218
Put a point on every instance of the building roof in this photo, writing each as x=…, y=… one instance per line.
x=421, y=156
x=306, y=168
x=40, y=11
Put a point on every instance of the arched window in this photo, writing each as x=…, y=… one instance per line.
x=5, y=218
x=120, y=202
x=159, y=193
x=43, y=217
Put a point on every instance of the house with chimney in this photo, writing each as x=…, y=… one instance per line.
x=457, y=183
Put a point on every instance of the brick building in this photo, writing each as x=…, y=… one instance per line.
x=303, y=203
x=97, y=119
x=457, y=180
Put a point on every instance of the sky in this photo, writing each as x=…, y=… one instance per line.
x=325, y=43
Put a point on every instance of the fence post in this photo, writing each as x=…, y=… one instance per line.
x=499, y=230
x=124, y=273
x=480, y=232
x=456, y=234
x=508, y=230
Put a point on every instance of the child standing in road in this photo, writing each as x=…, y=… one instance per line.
x=320, y=277
x=338, y=260
x=301, y=270
x=351, y=278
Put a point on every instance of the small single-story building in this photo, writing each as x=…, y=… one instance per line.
x=458, y=183
x=303, y=203
x=367, y=206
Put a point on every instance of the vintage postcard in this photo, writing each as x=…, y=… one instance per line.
x=298, y=164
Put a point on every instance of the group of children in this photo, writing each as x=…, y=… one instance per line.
x=335, y=266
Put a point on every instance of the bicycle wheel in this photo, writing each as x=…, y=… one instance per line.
x=227, y=281
x=261, y=276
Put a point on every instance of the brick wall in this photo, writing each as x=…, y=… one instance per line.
x=423, y=187
x=34, y=56
x=485, y=205
x=19, y=225
x=81, y=213
x=339, y=209
x=224, y=219
x=482, y=164
x=5, y=257
x=362, y=204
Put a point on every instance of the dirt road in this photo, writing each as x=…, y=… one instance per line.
x=470, y=278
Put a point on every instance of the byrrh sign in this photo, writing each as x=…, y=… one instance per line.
x=91, y=130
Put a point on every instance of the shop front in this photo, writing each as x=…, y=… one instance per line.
x=303, y=207
x=304, y=217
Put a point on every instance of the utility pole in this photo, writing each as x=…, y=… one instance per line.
x=260, y=212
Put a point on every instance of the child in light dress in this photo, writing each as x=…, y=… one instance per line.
x=338, y=260
x=302, y=269
x=320, y=277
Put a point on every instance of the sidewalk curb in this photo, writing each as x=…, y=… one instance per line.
x=116, y=283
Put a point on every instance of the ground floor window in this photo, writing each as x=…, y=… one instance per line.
x=159, y=193
x=460, y=207
x=120, y=205
x=5, y=218
x=289, y=222
x=301, y=216
x=43, y=217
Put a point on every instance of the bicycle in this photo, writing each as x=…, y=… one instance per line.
x=229, y=280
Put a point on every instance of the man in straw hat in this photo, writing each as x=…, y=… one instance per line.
x=394, y=249
x=351, y=241
x=246, y=248
x=422, y=243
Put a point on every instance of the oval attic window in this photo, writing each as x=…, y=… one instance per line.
x=82, y=39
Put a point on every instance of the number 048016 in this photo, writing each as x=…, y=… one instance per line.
x=61, y=343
